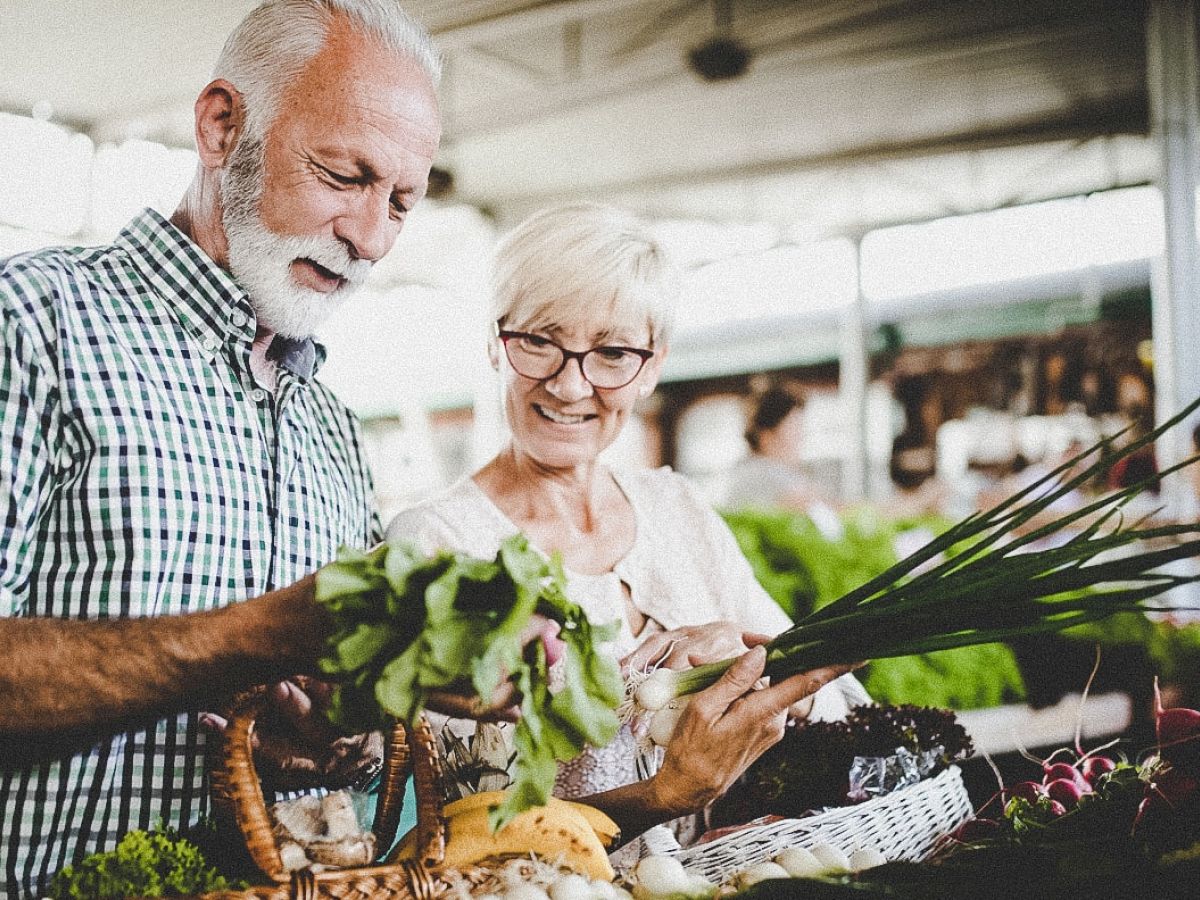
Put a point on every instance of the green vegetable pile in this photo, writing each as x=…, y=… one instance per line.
x=407, y=626
x=143, y=864
x=804, y=570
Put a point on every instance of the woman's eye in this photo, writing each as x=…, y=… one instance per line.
x=537, y=342
x=610, y=354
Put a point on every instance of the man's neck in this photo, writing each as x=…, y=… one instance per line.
x=265, y=371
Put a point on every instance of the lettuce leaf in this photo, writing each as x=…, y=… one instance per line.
x=408, y=625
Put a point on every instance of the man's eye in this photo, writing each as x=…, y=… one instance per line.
x=533, y=340
x=338, y=177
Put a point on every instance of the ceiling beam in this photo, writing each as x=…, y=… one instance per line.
x=554, y=14
x=795, y=51
x=1130, y=117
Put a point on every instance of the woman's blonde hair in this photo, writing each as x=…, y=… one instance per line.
x=572, y=263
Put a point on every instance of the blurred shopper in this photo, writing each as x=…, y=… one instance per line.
x=773, y=474
x=165, y=452
x=583, y=304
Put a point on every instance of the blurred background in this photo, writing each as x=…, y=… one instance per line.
x=950, y=242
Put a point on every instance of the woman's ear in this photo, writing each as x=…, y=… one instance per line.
x=493, y=351
x=220, y=120
x=652, y=371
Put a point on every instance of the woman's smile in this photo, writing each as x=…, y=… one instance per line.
x=561, y=418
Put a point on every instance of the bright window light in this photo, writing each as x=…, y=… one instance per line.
x=45, y=182
x=136, y=174
x=1009, y=244
x=784, y=281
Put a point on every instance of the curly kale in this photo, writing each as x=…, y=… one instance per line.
x=143, y=864
x=809, y=768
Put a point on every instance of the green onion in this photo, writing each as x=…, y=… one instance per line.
x=994, y=588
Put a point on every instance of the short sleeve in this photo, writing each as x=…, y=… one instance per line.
x=26, y=458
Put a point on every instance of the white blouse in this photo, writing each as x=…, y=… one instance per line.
x=684, y=568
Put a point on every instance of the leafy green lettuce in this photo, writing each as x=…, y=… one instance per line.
x=407, y=626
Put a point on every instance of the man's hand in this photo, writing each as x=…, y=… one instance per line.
x=504, y=704
x=693, y=645
x=297, y=748
x=727, y=727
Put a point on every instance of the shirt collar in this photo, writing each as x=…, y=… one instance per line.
x=206, y=299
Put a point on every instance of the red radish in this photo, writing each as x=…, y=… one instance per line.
x=1027, y=790
x=1064, y=771
x=1178, y=731
x=1094, y=767
x=1057, y=809
x=977, y=830
x=1064, y=791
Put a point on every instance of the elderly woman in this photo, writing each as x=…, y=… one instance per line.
x=583, y=309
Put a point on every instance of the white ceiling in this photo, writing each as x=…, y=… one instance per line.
x=853, y=113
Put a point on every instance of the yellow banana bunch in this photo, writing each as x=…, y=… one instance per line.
x=574, y=833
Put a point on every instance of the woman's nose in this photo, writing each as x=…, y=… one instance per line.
x=569, y=384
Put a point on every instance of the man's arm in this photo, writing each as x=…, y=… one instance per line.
x=61, y=676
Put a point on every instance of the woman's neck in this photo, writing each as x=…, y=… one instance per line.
x=530, y=492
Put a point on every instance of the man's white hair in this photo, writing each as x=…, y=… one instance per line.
x=276, y=40
x=570, y=263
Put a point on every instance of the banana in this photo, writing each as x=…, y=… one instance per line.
x=604, y=827
x=554, y=832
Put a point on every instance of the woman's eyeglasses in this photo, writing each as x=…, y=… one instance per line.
x=539, y=358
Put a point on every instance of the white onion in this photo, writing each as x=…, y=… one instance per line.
x=830, y=857
x=571, y=887
x=525, y=892
x=760, y=872
x=799, y=862
x=662, y=724
x=866, y=858
x=657, y=690
x=660, y=874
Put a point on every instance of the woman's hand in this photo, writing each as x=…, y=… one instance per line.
x=724, y=729
x=692, y=645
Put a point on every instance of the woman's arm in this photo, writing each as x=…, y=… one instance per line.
x=722, y=731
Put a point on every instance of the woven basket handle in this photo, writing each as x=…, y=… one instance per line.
x=237, y=787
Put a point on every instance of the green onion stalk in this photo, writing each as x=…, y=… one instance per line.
x=995, y=586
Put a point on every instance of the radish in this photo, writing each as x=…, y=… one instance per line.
x=1057, y=809
x=1064, y=771
x=1065, y=791
x=1096, y=767
x=1178, y=731
x=974, y=830
x=1027, y=790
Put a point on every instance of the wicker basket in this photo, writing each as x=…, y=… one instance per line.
x=237, y=794
x=904, y=825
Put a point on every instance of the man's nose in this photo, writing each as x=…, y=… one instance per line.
x=569, y=384
x=367, y=226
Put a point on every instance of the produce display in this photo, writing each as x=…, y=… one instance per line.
x=994, y=588
x=810, y=767
x=409, y=625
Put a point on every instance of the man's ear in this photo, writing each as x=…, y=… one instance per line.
x=493, y=350
x=220, y=120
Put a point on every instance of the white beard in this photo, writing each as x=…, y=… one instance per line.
x=260, y=260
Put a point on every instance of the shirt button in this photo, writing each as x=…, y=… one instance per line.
x=211, y=344
x=258, y=395
x=237, y=318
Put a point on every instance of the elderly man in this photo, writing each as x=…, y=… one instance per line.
x=164, y=449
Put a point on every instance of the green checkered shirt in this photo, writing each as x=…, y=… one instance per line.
x=144, y=472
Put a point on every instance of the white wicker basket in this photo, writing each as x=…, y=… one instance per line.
x=904, y=825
